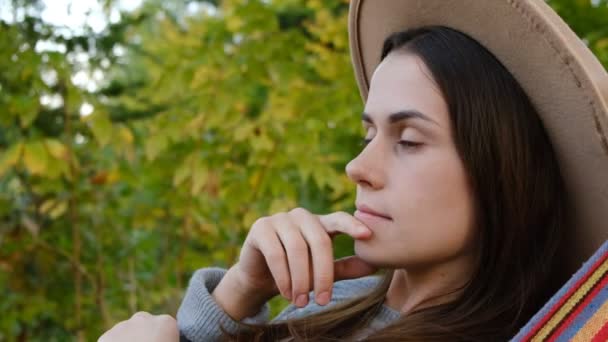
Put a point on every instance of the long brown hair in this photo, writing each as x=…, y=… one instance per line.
x=520, y=201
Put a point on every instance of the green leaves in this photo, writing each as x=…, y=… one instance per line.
x=204, y=123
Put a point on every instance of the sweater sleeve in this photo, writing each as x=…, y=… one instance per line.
x=199, y=316
x=342, y=291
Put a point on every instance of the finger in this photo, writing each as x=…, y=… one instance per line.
x=141, y=314
x=272, y=249
x=297, y=257
x=343, y=222
x=352, y=267
x=321, y=250
x=116, y=329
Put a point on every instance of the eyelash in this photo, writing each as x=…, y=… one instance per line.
x=403, y=143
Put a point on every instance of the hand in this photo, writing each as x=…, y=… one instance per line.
x=292, y=253
x=143, y=326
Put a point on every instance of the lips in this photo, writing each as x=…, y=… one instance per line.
x=368, y=211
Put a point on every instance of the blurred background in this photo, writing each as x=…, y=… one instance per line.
x=140, y=139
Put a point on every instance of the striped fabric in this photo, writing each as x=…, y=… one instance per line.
x=579, y=310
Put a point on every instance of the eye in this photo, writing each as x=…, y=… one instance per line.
x=409, y=144
x=406, y=144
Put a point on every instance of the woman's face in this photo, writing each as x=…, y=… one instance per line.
x=410, y=171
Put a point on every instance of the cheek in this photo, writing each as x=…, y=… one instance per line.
x=434, y=209
x=434, y=185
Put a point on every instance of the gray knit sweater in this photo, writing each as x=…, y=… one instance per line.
x=199, y=316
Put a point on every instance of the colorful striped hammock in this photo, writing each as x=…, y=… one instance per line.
x=579, y=310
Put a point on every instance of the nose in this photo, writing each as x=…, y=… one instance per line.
x=368, y=168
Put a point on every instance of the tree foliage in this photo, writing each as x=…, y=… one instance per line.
x=203, y=116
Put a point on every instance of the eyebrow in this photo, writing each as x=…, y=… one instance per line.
x=400, y=116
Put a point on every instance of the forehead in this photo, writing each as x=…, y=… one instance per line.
x=403, y=82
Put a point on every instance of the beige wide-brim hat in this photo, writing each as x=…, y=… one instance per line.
x=566, y=83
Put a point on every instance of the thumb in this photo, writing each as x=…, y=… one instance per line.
x=352, y=267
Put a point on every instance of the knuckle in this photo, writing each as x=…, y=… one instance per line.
x=297, y=248
x=282, y=216
x=298, y=211
x=322, y=240
x=140, y=315
x=341, y=213
x=260, y=222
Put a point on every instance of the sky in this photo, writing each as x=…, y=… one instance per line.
x=72, y=17
x=73, y=14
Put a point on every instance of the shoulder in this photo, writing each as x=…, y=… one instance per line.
x=343, y=290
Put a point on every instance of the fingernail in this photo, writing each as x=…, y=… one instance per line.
x=301, y=300
x=323, y=298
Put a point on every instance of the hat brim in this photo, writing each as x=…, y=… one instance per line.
x=565, y=81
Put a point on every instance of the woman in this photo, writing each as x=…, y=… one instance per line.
x=462, y=194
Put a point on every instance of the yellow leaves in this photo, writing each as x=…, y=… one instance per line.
x=202, y=76
x=202, y=224
x=123, y=142
x=194, y=170
x=125, y=135
x=10, y=158
x=53, y=208
x=35, y=157
x=155, y=145
x=101, y=126
x=170, y=31
x=56, y=167
x=47, y=158
x=208, y=228
x=199, y=179
x=181, y=174
x=234, y=23
x=254, y=179
x=249, y=218
x=59, y=159
x=262, y=142
x=26, y=118
x=56, y=149
x=282, y=204
x=194, y=127
x=105, y=132
x=243, y=131
x=105, y=177
x=602, y=43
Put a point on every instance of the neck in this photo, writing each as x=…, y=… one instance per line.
x=429, y=286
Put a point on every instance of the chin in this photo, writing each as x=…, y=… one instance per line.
x=370, y=255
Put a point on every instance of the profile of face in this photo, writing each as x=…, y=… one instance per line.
x=411, y=172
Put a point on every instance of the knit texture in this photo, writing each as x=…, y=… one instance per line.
x=199, y=316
